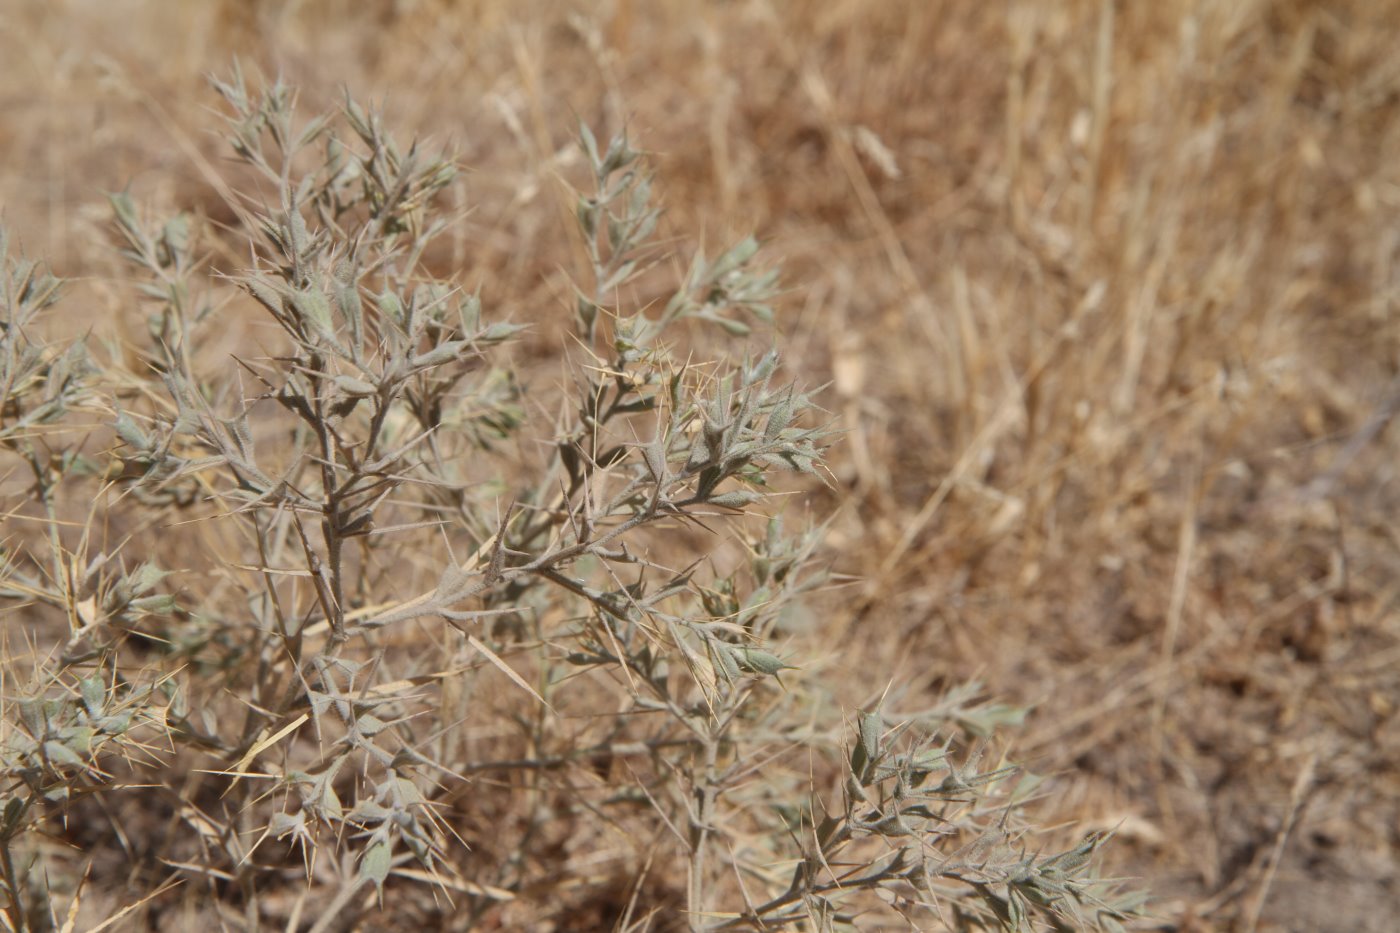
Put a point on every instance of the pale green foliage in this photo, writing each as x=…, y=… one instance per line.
x=377, y=418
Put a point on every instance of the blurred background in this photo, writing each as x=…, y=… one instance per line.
x=1103, y=293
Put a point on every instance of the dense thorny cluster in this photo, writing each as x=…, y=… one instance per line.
x=381, y=419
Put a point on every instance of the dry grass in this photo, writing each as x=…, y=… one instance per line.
x=1105, y=293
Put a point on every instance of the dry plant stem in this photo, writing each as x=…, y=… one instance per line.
x=705, y=793
x=14, y=905
x=1186, y=547
x=1302, y=784
x=330, y=915
x=1100, y=114
x=43, y=492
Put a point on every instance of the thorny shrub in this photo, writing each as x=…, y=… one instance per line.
x=271, y=713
